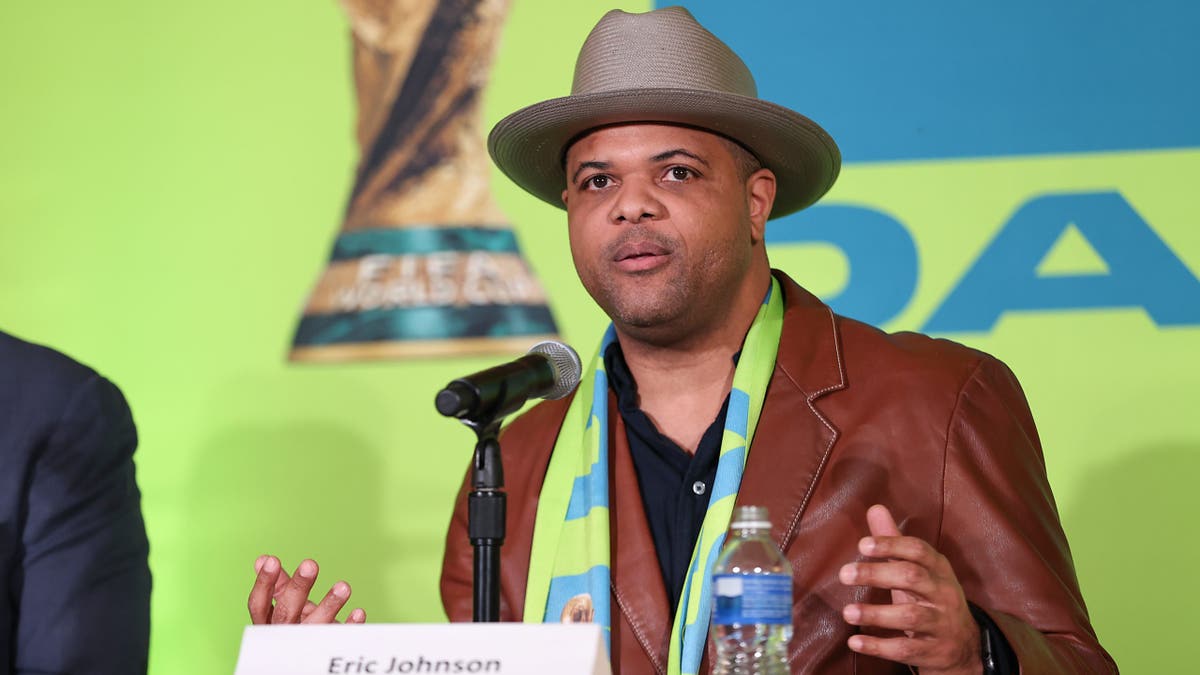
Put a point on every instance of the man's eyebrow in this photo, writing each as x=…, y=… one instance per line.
x=669, y=154
x=601, y=166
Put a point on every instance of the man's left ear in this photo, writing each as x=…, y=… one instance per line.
x=760, y=197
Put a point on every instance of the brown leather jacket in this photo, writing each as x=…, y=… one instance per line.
x=939, y=433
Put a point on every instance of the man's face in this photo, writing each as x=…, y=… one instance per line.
x=662, y=227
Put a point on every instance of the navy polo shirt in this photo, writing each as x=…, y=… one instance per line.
x=674, y=483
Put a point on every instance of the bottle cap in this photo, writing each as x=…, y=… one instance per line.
x=750, y=517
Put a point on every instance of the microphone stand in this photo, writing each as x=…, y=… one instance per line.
x=480, y=401
x=486, y=513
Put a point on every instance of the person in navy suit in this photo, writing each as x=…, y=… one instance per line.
x=74, y=579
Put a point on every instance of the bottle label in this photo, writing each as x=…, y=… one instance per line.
x=752, y=598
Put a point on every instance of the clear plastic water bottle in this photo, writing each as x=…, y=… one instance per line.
x=752, y=599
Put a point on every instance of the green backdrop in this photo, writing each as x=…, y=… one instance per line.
x=171, y=177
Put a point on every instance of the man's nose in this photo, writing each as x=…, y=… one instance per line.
x=636, y=202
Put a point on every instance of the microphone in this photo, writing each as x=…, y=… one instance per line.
x=550, y=370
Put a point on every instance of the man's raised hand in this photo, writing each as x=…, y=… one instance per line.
x=279, y=598
x=928, y=606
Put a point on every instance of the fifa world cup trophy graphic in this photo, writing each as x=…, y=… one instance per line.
x=425, y=263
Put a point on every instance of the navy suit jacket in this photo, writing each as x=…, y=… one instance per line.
x=74, y=581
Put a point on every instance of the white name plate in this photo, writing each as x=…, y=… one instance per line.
x=400, y=649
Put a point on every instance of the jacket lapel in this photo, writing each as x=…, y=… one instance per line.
x=794, y=440
x=637, y=585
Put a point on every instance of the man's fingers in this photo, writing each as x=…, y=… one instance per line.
x=290, y=595
x=912, y=549
x=927, y=601
x=913, y=651
x=881, y=522
x=290, y=601
x=259, y=602
x=326, y=610
x=911, y=617
x=922, y=652
x=897, y=575
x=888, y=543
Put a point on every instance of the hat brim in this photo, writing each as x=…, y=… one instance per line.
x=528, y=145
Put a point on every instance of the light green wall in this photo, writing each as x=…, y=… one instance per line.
x=171, y=178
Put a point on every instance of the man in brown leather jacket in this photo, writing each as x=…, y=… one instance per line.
x=666, y=228
x=903, y=474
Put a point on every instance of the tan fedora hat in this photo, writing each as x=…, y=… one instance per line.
x=663, y=66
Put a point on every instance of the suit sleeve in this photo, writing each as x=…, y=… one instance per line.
x=84, y=589
x=1001, y=530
